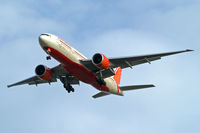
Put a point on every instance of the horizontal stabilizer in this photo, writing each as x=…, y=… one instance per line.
x=135, y=87
x=100, y=94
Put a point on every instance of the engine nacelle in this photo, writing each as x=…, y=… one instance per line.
x=43, y=72
x=101, y=61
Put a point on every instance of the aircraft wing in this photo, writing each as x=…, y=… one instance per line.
x=57, y=73
x=137, y=60
x=125, y=62
x=31, y=81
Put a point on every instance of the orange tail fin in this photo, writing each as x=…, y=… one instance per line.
x=117, y=76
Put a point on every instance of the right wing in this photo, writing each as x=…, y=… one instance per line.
x=125, y=62
x=57, y=73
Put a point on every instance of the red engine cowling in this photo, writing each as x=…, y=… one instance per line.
x=43, y=72
x=101, y=61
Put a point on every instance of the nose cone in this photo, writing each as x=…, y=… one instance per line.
x=44, y=39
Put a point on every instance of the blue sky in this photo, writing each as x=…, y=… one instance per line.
x=115, y=28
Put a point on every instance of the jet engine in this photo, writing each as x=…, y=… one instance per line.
x=101, y=61
x=43, y=72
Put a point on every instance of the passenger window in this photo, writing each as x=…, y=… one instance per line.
x=58, y=41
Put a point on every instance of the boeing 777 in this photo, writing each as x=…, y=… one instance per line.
x=101, y=72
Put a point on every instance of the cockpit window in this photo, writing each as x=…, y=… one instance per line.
x=46, y=34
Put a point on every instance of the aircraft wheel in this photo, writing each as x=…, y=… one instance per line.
x=72, y=89
x=48, y=57
x=100, y=81
x=68, y=88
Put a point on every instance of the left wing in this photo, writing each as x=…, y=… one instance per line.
x=125, y=62
x=57, y=73
x=35, y=80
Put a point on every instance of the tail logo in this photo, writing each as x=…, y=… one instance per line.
x=117, y=76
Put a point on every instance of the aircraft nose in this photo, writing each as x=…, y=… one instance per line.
x=43, y=39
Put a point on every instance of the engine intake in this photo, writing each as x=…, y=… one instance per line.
x=43, y=72
x=101, y=61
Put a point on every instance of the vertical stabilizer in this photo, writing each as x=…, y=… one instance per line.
x=117, y=76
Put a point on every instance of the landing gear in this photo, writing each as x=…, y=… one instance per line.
x=100, y=81
x=68, y=88
x=66, y=84
x=48, y=57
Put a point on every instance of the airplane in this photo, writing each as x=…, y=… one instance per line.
x=101, y=72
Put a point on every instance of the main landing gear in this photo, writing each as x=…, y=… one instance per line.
x=66, y=84
x=68, y=88
x=100, y=81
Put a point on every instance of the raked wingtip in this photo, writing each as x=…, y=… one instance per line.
x=189, y=50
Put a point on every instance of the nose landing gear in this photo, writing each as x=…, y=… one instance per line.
x=48, y=58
